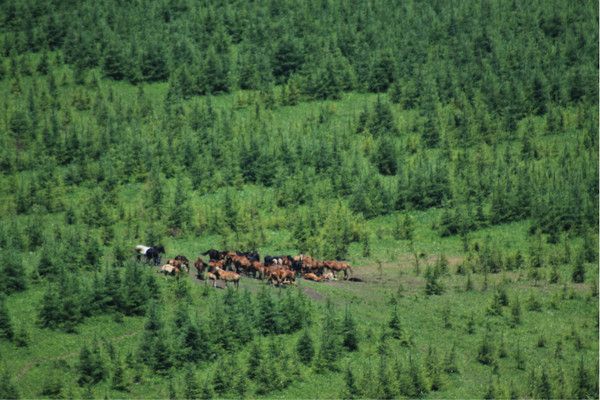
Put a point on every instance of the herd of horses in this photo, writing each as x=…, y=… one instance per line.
x=229, y=266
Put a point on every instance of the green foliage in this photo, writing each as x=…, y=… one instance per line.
x=515, y=312
x=91, y=366
x=154, y=347
x=486, y=352
x=305, y=348
x=351, y=390
x=480, y=133
x=12, y=273
x=330, y=346
x=433, y=286
x=578, y=275
x=6, y=328
x=348, y=332
x=8, y=390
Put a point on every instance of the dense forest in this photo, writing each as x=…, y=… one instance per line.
x=449, y=150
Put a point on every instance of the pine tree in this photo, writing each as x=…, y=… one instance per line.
x=206, y=391
x=381, y=121
x=115, y=61
x=192, y=389
x=12, y=273
x=266, y=318
x=350, y=391
x=49, y=316
x=433, y=369
x=419, y=386
x=486, y=352
x=519, y=359
x=220, y=382
x=305, y=348
x=515, y=312
x=90, y=367
x=8, y=390
x=578, y=275
x=395, y=326
x=6, y=328
x=154, y=349
x=52, y=385
x=385, y=390
x=22, y=337
x=543, y=387
x=495, y=307
x=44, y=63
x=119, y=381
x=329, y=350
x=254, y=360
x=450, y=366
x=582, y=386
x=471, y=324
x=241, y=387
x=349, y=334
x=432, y=284
x=395, y=92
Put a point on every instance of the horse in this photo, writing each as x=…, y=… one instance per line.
x=250, y=255
x=214, y=254
x=178, y=264
x=279, y=275
x=328, y=277
x=169, y=269
x=213, y=265
x=240, y=263
x=228, y=276
x=150, y=253
x=337, y=266
x=200, y=266
x=311, y=277
x=278, y=260
x=310, y=264
x=184, y=261
x=211, y=277
x=256, y=266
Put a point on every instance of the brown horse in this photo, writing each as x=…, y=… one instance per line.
x=169, y=269
x=312, y=277
x=279, y=276
x=240, y=263
x=256, y=269
x=211, y=277
x=200, y=266
x=313, y=265
x=228, y=276
x=216, y=264
x=184, y=261
x=337, y=266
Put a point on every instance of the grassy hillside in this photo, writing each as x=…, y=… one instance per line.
x=448, y=153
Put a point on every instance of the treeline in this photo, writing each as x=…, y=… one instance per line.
x=496, y=58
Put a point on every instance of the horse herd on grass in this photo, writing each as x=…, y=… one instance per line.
x=229, y=266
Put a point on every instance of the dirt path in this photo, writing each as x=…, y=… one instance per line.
x=312, y=293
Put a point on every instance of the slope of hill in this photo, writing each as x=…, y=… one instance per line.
x=448, y=152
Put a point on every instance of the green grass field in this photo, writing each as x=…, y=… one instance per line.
x=564, y=309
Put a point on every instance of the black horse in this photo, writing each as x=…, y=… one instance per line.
x=215, y=255
x=154, y=252
x=250, y=255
